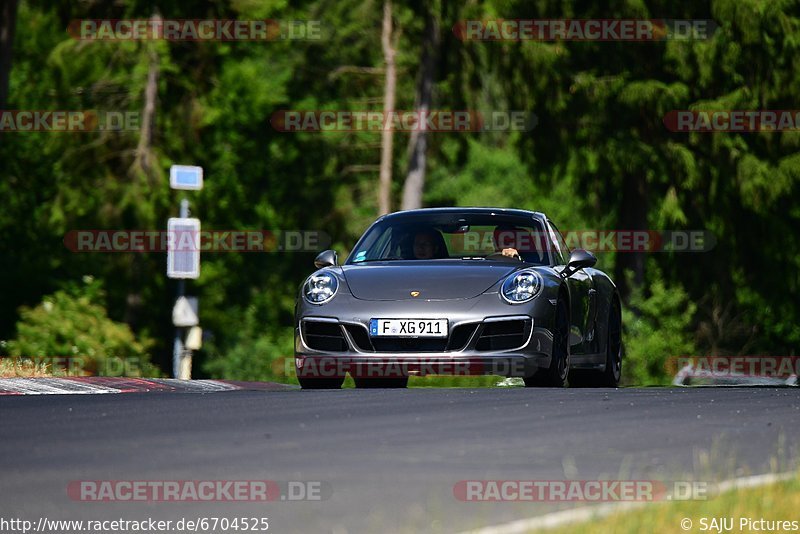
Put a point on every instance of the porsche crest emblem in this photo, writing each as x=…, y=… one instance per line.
x=415, y=294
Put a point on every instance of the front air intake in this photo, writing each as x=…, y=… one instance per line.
x=503, y=335
x=324, y=336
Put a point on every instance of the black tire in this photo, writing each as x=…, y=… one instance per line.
x=373, y=383
x=556, y=375
x=321, y=383
x=610, y=376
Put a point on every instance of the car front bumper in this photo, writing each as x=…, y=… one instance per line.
x=485, y=337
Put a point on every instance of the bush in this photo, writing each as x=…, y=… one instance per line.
x=256, y=352
x=656, y=327
x=265, y=357
x=71, y=330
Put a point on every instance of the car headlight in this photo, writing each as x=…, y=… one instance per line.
x=521, y=287
x=320, y=288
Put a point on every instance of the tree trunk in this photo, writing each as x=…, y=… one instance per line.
x=8, y=24
x=144, y=153
x=633, y=216
x=418, y=142
x=387, y=136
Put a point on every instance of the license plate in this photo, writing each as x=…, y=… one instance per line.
x=408, y=327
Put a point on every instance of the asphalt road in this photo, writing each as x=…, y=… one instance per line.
x=389, y=459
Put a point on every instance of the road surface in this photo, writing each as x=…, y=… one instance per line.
x=388, y=460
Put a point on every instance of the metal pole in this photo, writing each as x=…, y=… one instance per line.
x=177, y=347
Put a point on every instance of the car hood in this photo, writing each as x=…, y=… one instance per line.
x=435, y=280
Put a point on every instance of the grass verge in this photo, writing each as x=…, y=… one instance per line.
x=16, y=368
x=742, y=510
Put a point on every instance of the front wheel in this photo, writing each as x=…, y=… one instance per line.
x=555, y=376
x=613, y=372
x=610, y=376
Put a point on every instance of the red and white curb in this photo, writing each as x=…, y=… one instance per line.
x=100, y=385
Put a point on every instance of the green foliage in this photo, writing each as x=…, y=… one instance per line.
x=262, y=357
x=657, y=327
x=491, y=177
x=71, y=327
x=256, y=349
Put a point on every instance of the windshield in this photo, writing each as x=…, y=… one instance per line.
x=453, y=236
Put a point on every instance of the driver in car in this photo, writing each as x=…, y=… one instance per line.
x=505, y=240
x=509, y=240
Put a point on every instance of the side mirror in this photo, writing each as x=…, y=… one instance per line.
x=326, y=258
x=579, y=259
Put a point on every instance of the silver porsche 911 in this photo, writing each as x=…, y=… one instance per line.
x=459, y=291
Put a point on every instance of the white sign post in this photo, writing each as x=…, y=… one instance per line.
x=183, y=248
x=183, y=263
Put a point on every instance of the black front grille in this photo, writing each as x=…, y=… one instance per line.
x=365, y=343
x=324, y=336
x=503, y=335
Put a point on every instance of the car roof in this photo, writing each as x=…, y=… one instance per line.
x=470, y=210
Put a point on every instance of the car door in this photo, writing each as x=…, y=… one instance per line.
x=583, y=295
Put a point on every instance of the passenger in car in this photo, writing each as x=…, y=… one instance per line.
x=428, y=245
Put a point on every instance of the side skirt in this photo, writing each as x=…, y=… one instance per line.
x=594, y=362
